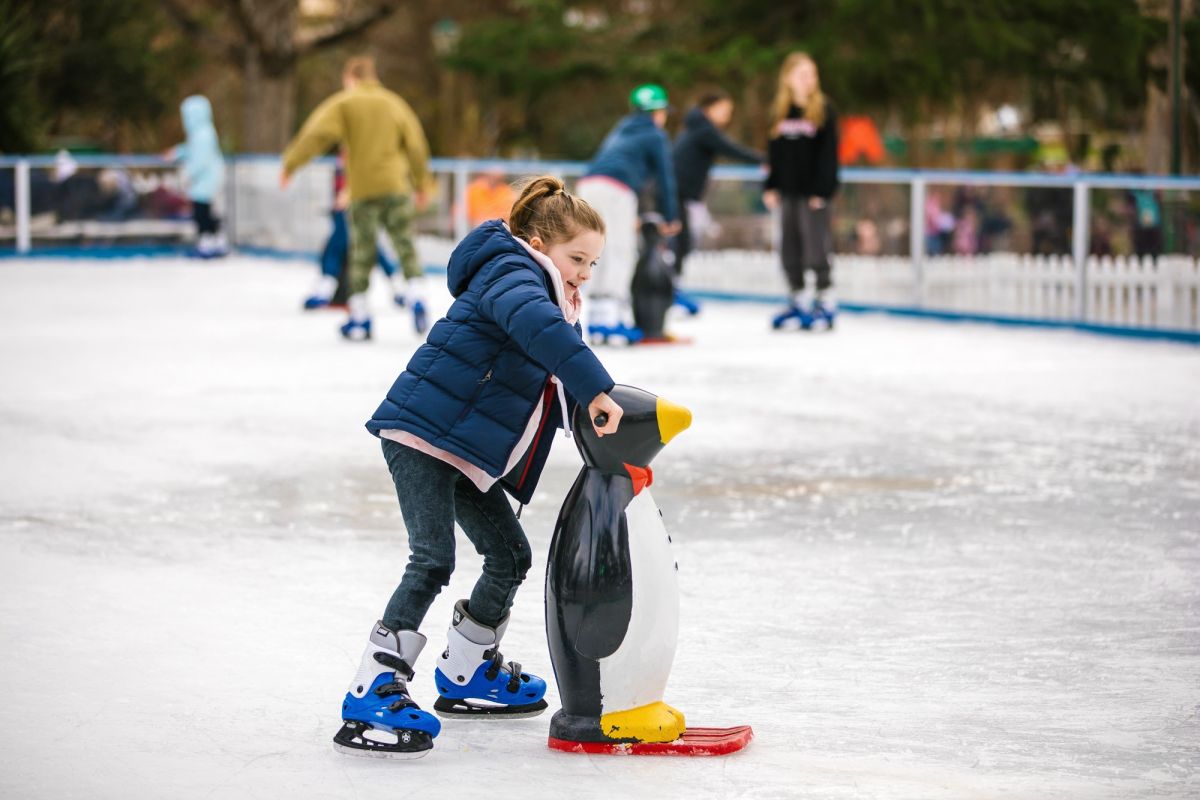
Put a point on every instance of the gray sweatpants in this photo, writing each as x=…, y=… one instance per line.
x=807, y=242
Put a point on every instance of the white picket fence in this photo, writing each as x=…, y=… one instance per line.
x=1161, y=293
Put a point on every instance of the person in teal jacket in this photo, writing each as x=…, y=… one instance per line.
x=203, y=170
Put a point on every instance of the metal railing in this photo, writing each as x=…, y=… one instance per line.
x=1080, y=224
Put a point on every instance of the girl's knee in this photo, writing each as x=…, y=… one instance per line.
x=524, y=563
x=435, y=570
x=510, y=569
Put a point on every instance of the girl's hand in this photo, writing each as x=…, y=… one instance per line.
x=603, y=404
x=771, y=199
x=816, y=202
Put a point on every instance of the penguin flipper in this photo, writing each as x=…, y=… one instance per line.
x=607, y=599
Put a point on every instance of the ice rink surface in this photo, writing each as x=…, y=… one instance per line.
x=923, y=560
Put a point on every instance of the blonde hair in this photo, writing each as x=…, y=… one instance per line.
x=361, y=68
x=547, y=210
x=814, y=109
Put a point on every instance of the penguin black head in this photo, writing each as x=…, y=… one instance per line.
x=648, y=423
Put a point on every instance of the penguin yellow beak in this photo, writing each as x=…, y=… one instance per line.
x=672, y=419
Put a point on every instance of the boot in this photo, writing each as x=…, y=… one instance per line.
x=379, y=718
x=472, y=679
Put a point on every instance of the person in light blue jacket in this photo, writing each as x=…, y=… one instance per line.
x=203, y=170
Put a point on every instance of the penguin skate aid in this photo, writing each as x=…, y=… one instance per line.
x=612, y=597
x=471, y=418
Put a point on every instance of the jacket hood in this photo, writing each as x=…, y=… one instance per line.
x=196, y=112
x=696, y=118
x=489, y=240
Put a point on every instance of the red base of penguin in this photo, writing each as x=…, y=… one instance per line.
x=694, y=742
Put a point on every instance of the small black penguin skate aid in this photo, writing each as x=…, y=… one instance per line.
x=612, y=598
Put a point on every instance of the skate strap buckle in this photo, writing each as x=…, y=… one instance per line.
x=493, y=670
x=402, y=702
x=395, y=687
x=396, y=663
x=514, y=682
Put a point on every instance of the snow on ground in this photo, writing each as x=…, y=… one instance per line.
x=924, y=560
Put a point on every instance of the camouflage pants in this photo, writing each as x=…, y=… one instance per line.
x=392, y=212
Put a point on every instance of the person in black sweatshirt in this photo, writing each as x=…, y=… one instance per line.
x=802, y=179
x=696, y=148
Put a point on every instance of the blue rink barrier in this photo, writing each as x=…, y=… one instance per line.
x=1163, y=334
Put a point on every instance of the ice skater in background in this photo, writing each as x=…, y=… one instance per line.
x=203, y=171
x=802, y=179
x=696, y=148
x=635, y=151
x=387, y=163
x=472, y=417
x=335, y=255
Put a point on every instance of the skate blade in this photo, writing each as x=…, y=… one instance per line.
x=377, y=753
x=359, y=739
x=462, y=709
x=693, y=742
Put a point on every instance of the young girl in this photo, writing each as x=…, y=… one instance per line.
x=801, y=182
x=471, y=417
x=204, y=169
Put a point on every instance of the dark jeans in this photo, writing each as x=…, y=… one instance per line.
x=807, y=242
x=432, y=496
x=205, y=221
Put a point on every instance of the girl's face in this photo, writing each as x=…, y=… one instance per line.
x=802, y=80
x=575, y=258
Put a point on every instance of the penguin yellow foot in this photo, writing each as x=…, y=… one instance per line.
x=656, y=722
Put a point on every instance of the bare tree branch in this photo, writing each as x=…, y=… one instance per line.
x=178, y=11
x=348, y=30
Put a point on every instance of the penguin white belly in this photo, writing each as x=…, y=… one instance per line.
x=636, y=673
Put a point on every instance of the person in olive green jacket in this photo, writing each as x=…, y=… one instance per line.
x=387, y=167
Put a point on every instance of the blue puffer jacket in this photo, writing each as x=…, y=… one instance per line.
x=634, y=151
x=472, y=388
x=203, y=164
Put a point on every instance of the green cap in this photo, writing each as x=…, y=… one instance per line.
x=649, y=97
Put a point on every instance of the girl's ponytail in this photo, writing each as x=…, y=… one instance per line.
x=545, y=209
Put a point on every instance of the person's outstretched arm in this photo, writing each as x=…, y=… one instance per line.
x=722, y=145
x=322, y=130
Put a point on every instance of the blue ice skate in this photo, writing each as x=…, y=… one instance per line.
x=602, y=333
x=687, y=303
x=379, y=718
x=357, y=330
x=314, y=302
x=823, y=315
x=793, y=312
x=472, y=679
